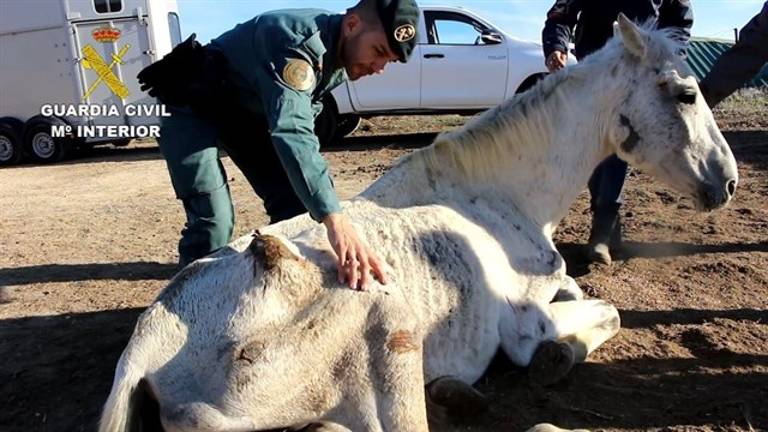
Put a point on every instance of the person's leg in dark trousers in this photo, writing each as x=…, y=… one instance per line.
x=605, y=187
x=189, y=146
x=249, y=144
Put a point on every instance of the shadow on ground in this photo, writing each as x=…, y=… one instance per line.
x=577, y=265
x=367, y=143
x=749, y=146
x=80, y=272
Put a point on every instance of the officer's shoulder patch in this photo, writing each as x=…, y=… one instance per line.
x=298, y=74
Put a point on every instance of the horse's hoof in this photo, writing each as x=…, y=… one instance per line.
x=599, y=253
x=551, y=363
x=547, y=427
x=456, y=398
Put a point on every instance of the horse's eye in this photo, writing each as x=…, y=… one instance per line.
x=687, y=98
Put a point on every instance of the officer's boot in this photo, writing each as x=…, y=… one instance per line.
x=605, y=236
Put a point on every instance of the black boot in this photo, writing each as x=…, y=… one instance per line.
x=605, y=236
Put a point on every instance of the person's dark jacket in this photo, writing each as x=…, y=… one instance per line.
x=741, y=62
x=593, y=21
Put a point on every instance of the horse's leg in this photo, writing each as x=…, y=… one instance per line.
x=323, y=427
x=580, y=327
x=547, y=427
x=450, y=397
x=568, y=291
x=389, y=393
x=585, y=325
x=401, y=402
x=203, y=417
x=383, y=382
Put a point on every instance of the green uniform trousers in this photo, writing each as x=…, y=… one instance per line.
x=190, y=146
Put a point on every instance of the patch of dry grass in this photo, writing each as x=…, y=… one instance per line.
x=745, y=109
x=409, y=124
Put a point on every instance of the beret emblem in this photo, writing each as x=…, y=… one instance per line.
x=404, y=33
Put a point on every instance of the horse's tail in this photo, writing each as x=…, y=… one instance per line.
x=131, y=406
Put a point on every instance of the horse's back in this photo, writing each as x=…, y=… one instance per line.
x=263, y=324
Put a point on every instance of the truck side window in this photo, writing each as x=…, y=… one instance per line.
x=175, y=28
x=448, y=28
x=108, y=6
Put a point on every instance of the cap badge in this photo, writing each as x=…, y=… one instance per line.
x=404, y=33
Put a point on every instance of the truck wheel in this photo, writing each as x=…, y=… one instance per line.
x=530, y=82
x=326, y=123
x=347, y=124
x=41, y=145
x=10, y=143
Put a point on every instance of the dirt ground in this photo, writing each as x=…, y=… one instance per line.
x=86, y=245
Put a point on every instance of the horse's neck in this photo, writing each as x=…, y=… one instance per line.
x=547, y=145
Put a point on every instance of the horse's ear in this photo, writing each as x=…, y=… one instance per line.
x=630, y=36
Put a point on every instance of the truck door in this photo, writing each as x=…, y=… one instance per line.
x=396, y=88
x=113, y=43
x=458, y=69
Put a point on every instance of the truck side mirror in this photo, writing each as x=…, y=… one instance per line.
x=491, y=37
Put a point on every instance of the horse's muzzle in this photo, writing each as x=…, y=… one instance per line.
x=713, y=196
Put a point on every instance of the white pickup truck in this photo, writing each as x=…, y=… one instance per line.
x=461, y=64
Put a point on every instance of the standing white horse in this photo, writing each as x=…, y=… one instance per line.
x=260, y=335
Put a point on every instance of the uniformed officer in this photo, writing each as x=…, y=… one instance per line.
x=593, y=21
x=741, y=62
x=255, y=91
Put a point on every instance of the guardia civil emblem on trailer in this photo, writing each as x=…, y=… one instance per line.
x=74, y=53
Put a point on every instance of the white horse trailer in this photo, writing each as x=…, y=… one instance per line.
x=75, y=54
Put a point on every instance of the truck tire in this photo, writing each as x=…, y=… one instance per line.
x=10, y=141
x=530, y=82
x=326, y=123
x=41, y=145
x=347, y=124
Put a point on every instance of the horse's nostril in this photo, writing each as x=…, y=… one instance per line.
x=730, y=187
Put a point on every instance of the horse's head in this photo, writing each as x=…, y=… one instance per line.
x=663, y=126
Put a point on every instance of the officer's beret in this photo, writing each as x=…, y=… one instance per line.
x=400, y=19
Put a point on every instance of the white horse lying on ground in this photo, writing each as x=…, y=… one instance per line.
x=261, y=335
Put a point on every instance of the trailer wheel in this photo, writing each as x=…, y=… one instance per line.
x=40, y=143
x=10, y=141
x=121, y=142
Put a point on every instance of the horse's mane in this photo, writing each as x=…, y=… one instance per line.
x=491, y=136
x=527, y=119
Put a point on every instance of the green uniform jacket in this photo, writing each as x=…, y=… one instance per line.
x=258, y=51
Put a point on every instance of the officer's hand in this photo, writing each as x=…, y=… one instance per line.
x=354, y=260
x=556, y=60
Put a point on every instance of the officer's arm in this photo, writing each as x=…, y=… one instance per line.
x=677, y=14
x=740, y=63
x=558, y=28
x=291, y=122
